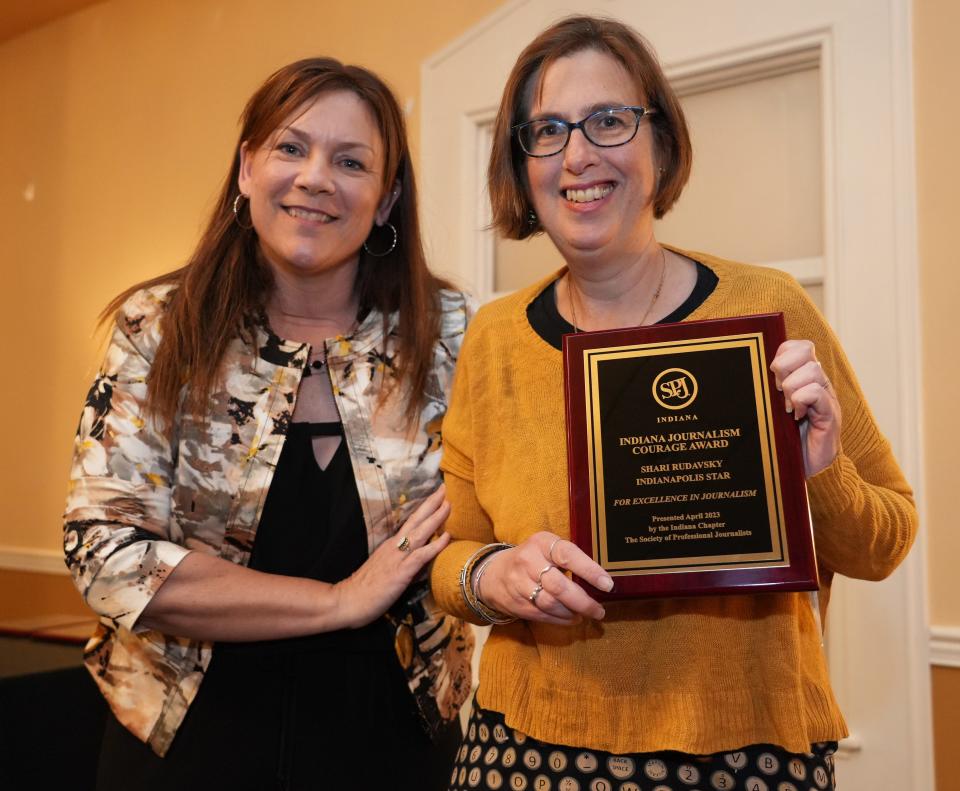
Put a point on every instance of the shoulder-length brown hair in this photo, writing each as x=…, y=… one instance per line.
x=222, y=290
x=512, y=208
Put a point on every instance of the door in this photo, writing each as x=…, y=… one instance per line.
x=810, y=102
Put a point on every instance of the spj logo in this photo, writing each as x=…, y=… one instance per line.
x=675, y=388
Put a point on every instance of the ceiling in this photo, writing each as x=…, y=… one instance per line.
x=18, y=17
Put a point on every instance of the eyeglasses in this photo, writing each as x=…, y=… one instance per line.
x=612, y=126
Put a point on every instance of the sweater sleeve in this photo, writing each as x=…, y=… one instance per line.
x=117, y=523
x=863, y=512
x=469, y=525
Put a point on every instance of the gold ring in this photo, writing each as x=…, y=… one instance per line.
x=536, y=592
x=404, y=544
x=543, y=571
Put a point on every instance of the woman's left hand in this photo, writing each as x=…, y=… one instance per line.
x=811, y=397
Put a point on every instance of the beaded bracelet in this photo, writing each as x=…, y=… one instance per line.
x=468, y=592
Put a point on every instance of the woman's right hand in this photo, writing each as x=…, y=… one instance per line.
x=370, y=591
x=513, y=576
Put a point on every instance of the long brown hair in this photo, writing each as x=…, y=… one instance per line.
x=512, y=208
x=222, y=290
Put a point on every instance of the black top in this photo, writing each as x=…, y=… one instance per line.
x=547, y=322
x=312, y=526
x=329, y=710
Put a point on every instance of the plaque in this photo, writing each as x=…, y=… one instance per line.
x=685, y=469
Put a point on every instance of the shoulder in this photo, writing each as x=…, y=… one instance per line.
x=744, y=275
x=144, y=308
x=507, y=315
x=139, y=317
x=750, y=288
x=457, y=309
x=765, y=288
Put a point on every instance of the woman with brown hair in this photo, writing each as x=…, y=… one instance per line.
x=255, y=483
x=722, y=692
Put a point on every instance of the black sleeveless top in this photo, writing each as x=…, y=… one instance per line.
x=312, y=526
x=330, y=710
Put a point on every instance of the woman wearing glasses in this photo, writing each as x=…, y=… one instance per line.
x=725, y=692
x=255, y=482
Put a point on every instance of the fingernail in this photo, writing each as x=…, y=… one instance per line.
x=605, y=583
x=789, y=406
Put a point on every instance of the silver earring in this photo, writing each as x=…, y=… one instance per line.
x=390, y=249
x=532, y=218
x=236, y=212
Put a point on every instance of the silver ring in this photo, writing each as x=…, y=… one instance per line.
x=404, y=544
x=543, y=571
x=536, y=592
x=826, y=379
x=556, y=541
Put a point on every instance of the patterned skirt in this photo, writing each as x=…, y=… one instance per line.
x=495, y=756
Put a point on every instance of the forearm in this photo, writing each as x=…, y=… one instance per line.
x=863, y=512
x=208, y=598
x=211, y=599
x=863, y=528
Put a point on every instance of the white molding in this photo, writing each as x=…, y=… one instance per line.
x=807, y=271
x=909, y=385
x=436, y=60
x=485, y=250
x=945, y=646
x=44, y=561
x=743, y=65
x=830, y=197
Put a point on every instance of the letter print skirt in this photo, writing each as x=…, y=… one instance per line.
x=494, y=756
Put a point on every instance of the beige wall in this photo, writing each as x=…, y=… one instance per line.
x=119, y=122
x=937, y=64
x=118, y=125
x=946, y=726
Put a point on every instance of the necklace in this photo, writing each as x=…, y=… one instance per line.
x=304, y=317
x=315, y=365
x=656, y=294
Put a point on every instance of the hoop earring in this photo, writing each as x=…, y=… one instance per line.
x=236, y=211
x=390, y=249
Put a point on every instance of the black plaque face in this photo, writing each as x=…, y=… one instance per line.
x=678, y=480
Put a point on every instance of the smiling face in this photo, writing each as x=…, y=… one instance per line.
x=316, y=185
x=592, y=201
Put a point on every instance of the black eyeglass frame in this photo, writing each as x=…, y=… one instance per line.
x=638, y=112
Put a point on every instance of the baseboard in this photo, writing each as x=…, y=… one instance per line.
x=945, y=646
x=43, y=561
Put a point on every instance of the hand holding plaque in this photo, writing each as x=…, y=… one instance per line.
x=686, y=473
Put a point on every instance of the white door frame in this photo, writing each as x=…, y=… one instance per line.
x=870, y=272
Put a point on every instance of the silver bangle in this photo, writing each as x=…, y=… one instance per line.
x=483, y=611
x=475, y=581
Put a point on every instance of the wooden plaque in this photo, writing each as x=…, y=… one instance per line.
x=685, y=469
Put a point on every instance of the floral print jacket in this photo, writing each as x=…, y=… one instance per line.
x=140, y=499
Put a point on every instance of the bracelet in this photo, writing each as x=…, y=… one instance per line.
x=475, y=584
x=486, y=613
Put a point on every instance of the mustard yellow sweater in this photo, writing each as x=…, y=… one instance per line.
x=698, y=675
